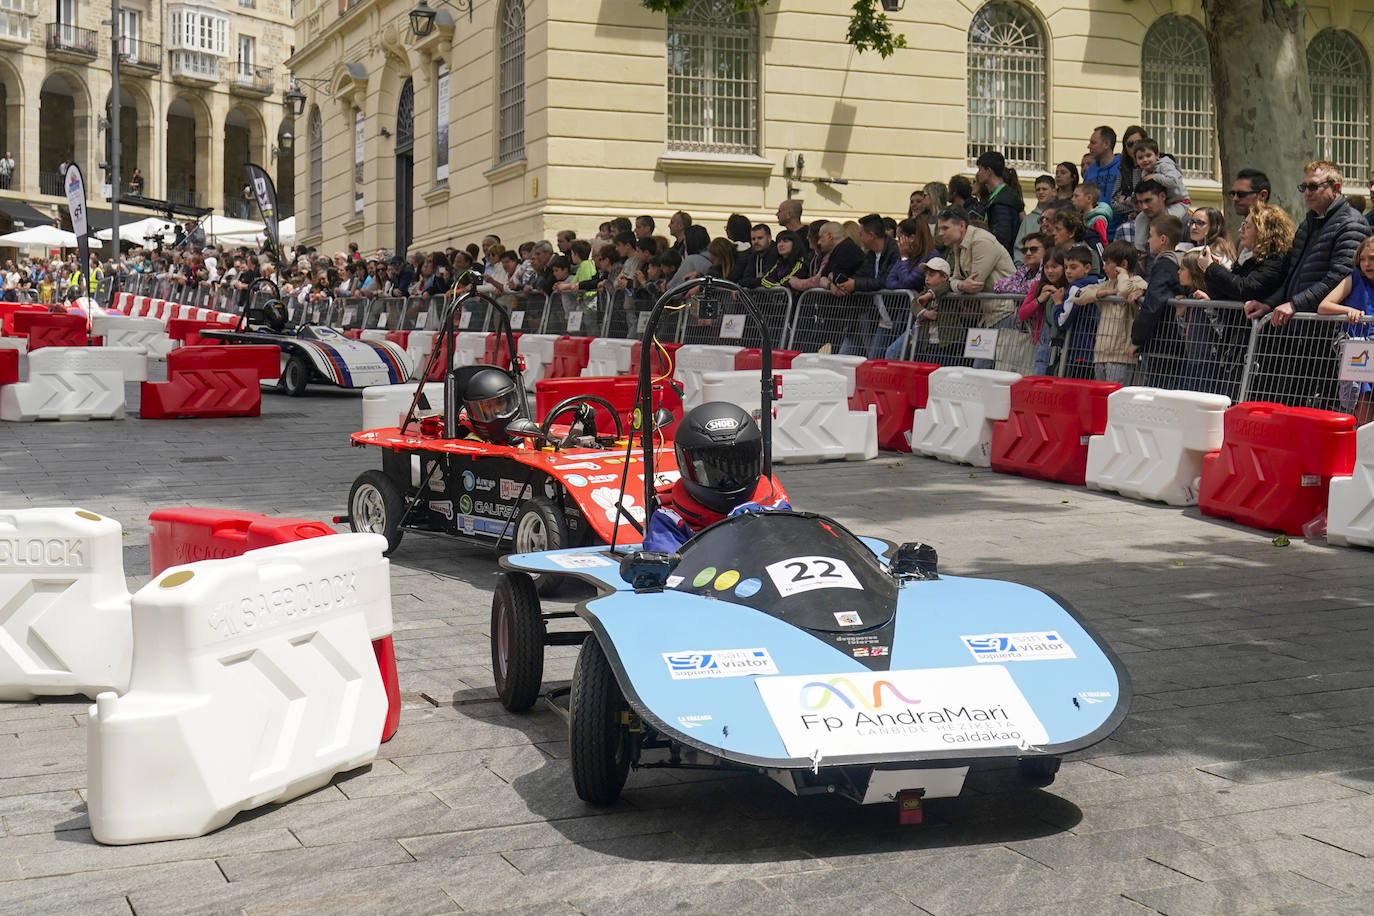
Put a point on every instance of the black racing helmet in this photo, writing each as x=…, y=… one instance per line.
x=720, y=455
x=492, y=401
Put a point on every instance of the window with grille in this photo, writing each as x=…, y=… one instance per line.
x=713, y=79
x=1339, y=74
x=1176, y=94
x=1006, y=85
x=510, y=144
x=316, y=172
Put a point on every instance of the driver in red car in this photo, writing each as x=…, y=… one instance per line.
x=720, y=456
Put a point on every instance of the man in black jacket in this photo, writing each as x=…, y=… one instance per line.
x=753, y=265
x=1002, y=207
x=880, y=253
x=1297, y=367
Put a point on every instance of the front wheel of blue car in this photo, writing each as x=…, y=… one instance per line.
x=1038, y=771
x=600, y=743
x=517, y=641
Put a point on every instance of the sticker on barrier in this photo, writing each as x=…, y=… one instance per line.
x=65, y=625
x=254, y=682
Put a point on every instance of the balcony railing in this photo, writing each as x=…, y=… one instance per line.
x=136, y=53
x=238, y=208
x=69, y=38
x=51, y=183
x=183, y=197
x=243, y=76
x=194, y=65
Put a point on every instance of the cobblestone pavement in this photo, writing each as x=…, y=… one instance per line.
x=1240, y=782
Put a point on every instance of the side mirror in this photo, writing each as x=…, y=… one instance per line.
x=648, y=571
x=914, y=560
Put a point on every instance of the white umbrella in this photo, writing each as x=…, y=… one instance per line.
x=139, y=230
x=216, y=225
x=286, y=229
x=44, y=237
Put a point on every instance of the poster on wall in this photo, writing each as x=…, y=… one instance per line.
x=441, y=128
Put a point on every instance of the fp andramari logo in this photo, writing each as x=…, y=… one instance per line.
x=816, y=694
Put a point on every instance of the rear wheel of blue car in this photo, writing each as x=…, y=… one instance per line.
x=375, y=505
x=1038, y=771
x=295, y=376
x=599, y=739
x=517, y=641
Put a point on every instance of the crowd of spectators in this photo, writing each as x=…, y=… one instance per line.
x=1115, y=226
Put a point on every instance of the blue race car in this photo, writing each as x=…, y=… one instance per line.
x=781, y=643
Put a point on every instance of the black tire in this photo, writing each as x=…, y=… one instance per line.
x=375, y=505
x=295, y=376
x=1038, y=771
x=599, y=742
x=539, y=526
x=517, y=641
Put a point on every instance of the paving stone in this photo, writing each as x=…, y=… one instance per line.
x=1234, y=895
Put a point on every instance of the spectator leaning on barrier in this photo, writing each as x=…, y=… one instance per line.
x=1323, y=249
x=1116, y=298
x=1104, y=170
x=1266, y=236
x=1044, y=193
x=790, y=261
x=937, y=330
x=1353, y=297
x=1038, y=307
x=1001, y=203
x=978, y=260
x=1153, y=337
x=1020, y=282
x=915, y=247
x=874, y=328
x=1078, y=320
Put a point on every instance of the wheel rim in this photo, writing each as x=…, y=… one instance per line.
x=369, y=510
x=531, y=535
x=502, y=637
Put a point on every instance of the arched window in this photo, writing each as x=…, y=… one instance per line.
x=713, y=79
x=316, y=172
x=510, y=143
x=1339, y=73
x=1006, y=85
x=1176, y=94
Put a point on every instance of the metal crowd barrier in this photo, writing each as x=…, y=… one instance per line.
x=862, y=324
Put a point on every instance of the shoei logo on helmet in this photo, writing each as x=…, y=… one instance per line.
x=721, y=423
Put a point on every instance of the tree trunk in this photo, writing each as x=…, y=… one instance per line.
x=1259, y=81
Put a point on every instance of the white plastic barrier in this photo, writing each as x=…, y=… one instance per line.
x=608, y=356
x=15, y=343
x=956, y=423
x=68, y=383
x=1350, y=504
x=418, y=347
x=1154, y=442
x=695, y=360
x=373, y=334
x=812, y=421
x=538, y=352
x=848, y=366
x=469, y=349
x=147, y=335
x=385, y=406
x=254, y=681
x=64, y=615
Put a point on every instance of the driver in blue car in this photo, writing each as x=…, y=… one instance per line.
x=720, y=456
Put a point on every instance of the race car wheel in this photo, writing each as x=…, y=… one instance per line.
x=539, y=526
x=1038, y=771
x=375, y=505
x=295, y=376
x=599, y=739
x=517, y=641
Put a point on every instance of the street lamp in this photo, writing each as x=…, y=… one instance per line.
x=422, y=18
x=293, y=100
x=893, y=6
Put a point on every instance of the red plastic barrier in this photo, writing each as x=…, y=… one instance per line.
x=187, y=330
x=186, y=535
x=618, y=389
x=498, y=352
x=210, y=382
x=440, y=366
x=353, y=333
x=899, y=389
x=658, y=366
x=1046, y=434
x=1276, y=464
x=570, y=357
x=7, y=312
x=752, y=358
x=9, y=366
x=400, y=338
x=46, y=329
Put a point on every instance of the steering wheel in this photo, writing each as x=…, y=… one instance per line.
x=585, y=416
x=272, y=313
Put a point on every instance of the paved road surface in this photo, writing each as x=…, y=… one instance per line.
x=1240, y=782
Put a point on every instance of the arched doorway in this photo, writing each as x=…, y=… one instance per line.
x=188, y=144
x=63, y=122
x=405, y=167
x=131, y=136
x=11, y=117
x=237, y=151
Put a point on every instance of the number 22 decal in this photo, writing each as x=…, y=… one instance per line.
x=804, y=574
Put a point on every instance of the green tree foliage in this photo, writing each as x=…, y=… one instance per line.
x=869, y=28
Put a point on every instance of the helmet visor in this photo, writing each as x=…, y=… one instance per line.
x=497, y=407
x=726, y=468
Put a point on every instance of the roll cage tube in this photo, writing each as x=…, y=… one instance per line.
x=644, y=392
x=454, y=309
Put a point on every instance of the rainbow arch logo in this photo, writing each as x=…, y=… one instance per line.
x=816, y=694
